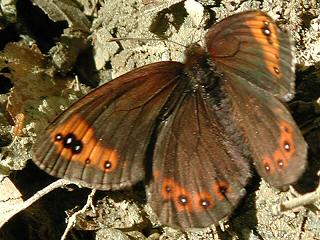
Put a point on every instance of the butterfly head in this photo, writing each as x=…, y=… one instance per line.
x=195, y=55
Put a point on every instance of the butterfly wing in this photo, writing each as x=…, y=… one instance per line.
x=256, y=60
x=199, y=186
x=101, y=140
x=274, y=140
x=250, y=45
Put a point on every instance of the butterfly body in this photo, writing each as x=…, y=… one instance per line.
x=191, y=130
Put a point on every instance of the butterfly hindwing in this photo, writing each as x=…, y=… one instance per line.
x=199, y=185
x=275, y=142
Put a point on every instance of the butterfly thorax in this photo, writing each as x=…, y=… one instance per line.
x=200, y=69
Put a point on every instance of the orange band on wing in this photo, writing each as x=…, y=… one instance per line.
x=75, y=141
x=191, y=201
x=266, y=35
x=285, y=151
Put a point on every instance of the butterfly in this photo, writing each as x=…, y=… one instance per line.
x=191, y=130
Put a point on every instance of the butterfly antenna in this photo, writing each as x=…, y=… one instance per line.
x=143, y=39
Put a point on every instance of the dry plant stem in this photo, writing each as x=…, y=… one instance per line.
x=306, y=199
x=72, y=220
x=94, y=7
x=57, y=184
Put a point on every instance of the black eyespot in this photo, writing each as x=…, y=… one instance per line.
x=266, y=31
x=276, y=70
x=204, y=203
x=286, y=146
x=223, y=189
x=77, y=147
x=168, y=189
x=88, y=161
x=69, y=140
x=280, y=163
x=58, y=137
x=107, y=165
x=286, y=129
x=183, y=200
x=267, y=167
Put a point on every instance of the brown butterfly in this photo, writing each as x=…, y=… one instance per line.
x=190, y=130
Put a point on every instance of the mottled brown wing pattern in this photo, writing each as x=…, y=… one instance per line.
x=201, y=127
x=205, y=173
x=275, y=142
x=101, y=140
x=257, y=61
x=250, y=45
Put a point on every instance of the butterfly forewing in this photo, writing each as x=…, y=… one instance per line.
x=199, y=185
x=101, y=140
x=250, y=45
